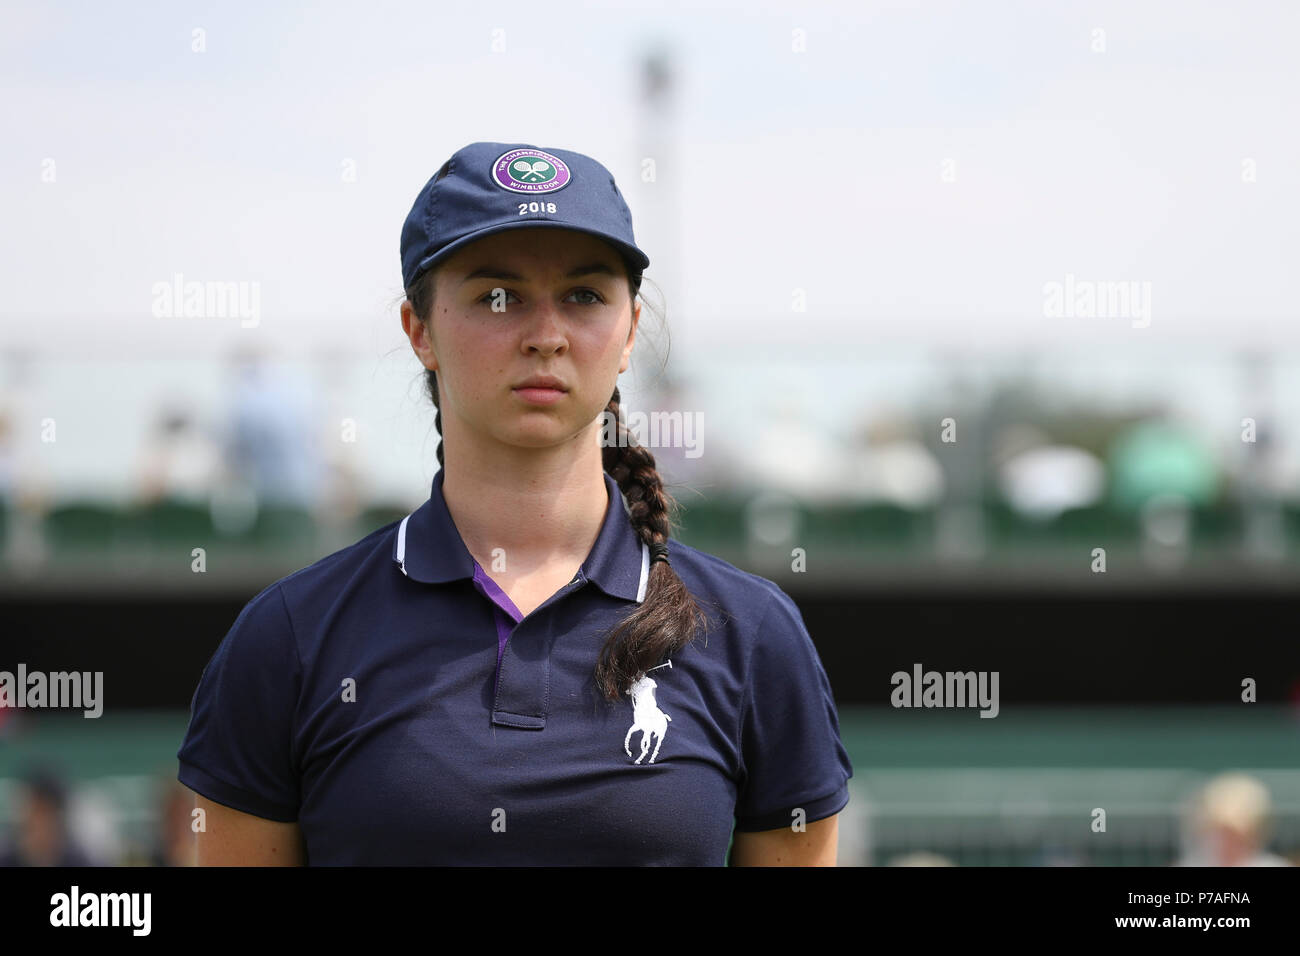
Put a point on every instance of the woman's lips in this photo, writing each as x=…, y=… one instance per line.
x=540, y=396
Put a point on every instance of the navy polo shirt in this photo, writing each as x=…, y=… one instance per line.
x=392, y=700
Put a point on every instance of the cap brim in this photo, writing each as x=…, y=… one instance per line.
x=630, y=253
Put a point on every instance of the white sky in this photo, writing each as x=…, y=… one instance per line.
x=778, y=171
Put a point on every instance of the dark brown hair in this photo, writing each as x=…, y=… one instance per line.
x=669, y=617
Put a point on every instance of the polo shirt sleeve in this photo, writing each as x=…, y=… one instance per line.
x=790, y=734
x=238, y=750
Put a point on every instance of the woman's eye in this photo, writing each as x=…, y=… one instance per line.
x=490, y=297
x=596, y=299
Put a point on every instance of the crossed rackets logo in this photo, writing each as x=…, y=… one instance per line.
x=521, y=170
x=530, y=171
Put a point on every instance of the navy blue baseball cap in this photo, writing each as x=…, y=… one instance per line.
x=486, y=188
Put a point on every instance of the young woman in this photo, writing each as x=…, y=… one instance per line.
x=520, y=672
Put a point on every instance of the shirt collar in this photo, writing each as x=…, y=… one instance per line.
x=428, y=547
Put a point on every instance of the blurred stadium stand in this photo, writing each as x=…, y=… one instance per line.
x=1019, y=790
x=1119, y=690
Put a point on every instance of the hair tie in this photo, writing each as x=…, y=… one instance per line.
x=659, y=552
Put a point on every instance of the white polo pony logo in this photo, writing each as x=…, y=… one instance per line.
x=646, y=716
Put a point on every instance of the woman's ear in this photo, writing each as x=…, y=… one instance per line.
x=419, y=335
x=631, y=337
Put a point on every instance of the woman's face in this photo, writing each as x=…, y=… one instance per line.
x=562, y=309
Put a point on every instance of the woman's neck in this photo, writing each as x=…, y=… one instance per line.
x=539, y=510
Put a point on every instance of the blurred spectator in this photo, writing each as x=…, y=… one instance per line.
x=174, y=843
x=271, y=445
x=920, y=858
x=43, y=837
x=1056, y=854
x=1041, y=479
x=1229, y=824
x=25, y=485
x=1158, y=459
x=179, y=462
x=791, y=456
x=7, y=456
x=888, y=464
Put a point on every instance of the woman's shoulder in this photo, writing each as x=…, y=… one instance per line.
x=744, y=595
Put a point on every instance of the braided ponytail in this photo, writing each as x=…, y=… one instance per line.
x=669, y=617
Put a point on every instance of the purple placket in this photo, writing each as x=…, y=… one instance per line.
x=505, y=612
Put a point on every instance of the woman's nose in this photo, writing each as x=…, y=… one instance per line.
x=544, y=329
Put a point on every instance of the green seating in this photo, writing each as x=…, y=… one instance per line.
x=1218, y=526
x=707, y=524
x=866, y=526
x=287, y=525
x=83, y=525
x=171, y=521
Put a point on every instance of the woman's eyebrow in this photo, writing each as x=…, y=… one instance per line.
x=496, y=272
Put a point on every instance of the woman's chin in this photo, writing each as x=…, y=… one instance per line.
x=541, y=435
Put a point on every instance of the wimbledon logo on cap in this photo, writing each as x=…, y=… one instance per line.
x=530, y=171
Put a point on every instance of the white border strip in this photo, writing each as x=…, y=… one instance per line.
x=401, y=544
x=645, y=573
